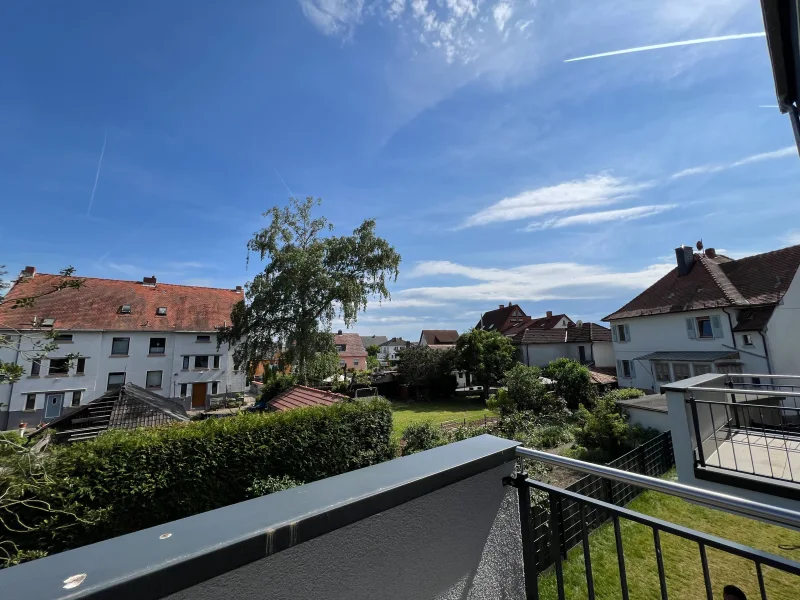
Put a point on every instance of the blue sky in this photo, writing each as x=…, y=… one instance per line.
x=499, y=171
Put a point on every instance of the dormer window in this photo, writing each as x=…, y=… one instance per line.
x=161, y=311
x=49, y=322
x=125, y=309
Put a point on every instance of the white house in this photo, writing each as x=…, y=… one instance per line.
x=158, y=336
x=390, y=350
x=711, y=314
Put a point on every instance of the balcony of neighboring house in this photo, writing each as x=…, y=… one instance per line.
x=743, y=431
x=459, y=521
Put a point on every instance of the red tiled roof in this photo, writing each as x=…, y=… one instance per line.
x=300, y=396
x=494, y=320
x=435, y=337
x=603, y=375
x=96, y=305
x=586, y=332
x=719, y=282
x=352, y=345
x=540, y=323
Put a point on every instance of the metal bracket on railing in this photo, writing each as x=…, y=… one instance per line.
x=516, y=480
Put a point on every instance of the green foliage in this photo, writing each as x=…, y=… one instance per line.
x=129, y=480
x=431, y=370
x=527, y=392
x=485, y=354
x=373, y=350
x=422, y=436
x=310, y=278
x=573, y=382
x=280, y=382
x=341, y=386
x=323, y=365
x=373, y=363
x=625, y=394
x=269, y=484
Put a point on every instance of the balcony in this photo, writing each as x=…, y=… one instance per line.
x=453, y=522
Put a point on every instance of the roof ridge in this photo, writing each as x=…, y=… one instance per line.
x=723, y=283
x=199, y=287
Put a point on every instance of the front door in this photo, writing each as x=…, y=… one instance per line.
x=199, y=395
x=52, y=406
x=582, y=353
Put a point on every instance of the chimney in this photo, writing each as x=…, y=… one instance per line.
x=238, y=289
x=502, y=306
x=149, y=280
x=711, y=253
x=685, y=259
x=509, y=304
x=28, y=272
x=549, y=313
x=339, y=332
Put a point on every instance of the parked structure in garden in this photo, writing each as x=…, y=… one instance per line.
x=711, y=314
x=161, y=337
x=300, y=396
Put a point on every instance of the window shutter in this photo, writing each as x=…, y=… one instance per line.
x=633, y=370
x=620, y=372
x=627, y=333
x=716, y=326
x=690, y=328
x=614, y=333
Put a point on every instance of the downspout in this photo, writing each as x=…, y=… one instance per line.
x=766, y=352
x=730, y=324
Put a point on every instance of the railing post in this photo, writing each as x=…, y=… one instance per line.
x=700, y=457
x=526, y=525
x=642, y=463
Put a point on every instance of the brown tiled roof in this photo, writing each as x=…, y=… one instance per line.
x=494, y=320
x=754, y=319
x=435, y=337
x=540, y=323
x=96, y=305
x=352, y=345
x=586, y=332
x=603, y=375
x=755, y=280
x=300, y=396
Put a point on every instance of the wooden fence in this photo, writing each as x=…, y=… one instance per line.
x=653, y=458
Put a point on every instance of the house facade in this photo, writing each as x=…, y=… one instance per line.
x=587, y=343
x=711, y=314
x=352, y=354
x=160, y=337
x=390, y=350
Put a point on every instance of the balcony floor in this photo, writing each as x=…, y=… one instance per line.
x=758, y=454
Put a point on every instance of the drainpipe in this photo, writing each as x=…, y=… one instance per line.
x=766, y=352
x=730, y=324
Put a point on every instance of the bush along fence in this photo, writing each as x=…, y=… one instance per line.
x=653, y=458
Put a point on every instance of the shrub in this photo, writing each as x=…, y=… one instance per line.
x=129, y=480
x=422, y=436
x=269, y=484
x=277, y=384
x=573, y=382
x=625, y=394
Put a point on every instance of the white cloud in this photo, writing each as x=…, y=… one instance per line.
x=792, y=237
x=334, y=17
x=755, y=158
x=624, y=214
x=546, y=281
x=396, y=9
x=597, y=190
x=709, y=40
x=501, y=13
x=407, y=303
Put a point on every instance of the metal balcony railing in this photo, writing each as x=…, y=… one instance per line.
x=590, y=510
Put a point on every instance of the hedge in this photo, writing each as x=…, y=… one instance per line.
x=129, y=480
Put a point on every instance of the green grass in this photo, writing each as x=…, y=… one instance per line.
x=682, y=564
x=454, y=409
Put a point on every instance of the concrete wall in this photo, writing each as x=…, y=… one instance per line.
x=648, y=418
x=604, y=354
x=540, y=355
x=95, y=347
x=668, y=333
x=783, y=334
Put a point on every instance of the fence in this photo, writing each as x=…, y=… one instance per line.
x=653, y=458
x=485, y=421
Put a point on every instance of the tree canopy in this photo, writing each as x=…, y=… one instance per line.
x=310, y=278
x=423, y=367
x=573, y=382
x=485, y=354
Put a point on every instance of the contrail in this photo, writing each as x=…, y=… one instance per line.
x=722, y=38
x=97, y=175
x=282, y=181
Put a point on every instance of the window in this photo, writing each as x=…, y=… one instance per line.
x=622, y=333
x=119, y=346
x=681, y=371
x=204, y=338
x=76, y=398
x=185, y=362
x=701, y=369
x=64, y=337
x=662, y=371
x=125, y=309
x=158, y=345
x=115, y=381
x=200, y=362
x=704, y=328
x=355, y=363
x=153, y=379
x=30, y=402
x=342, y=363
x=216, y=362
x=747, y=339
x=341, y=347
x=214, y=387
x=161, y=311
x=59, y=366
x=36, y=365
x=626, y=368
x=49, y=322
x=183, y=390
x=80, y=367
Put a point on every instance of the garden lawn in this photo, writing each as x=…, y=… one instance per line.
x=455, y=409
x=682, y=564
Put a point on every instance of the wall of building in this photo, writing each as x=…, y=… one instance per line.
x=668, y=333
x=783, y=333
x=95, y=347
x=359, y=363
x=540, y=355
x=462, y=541
x=604, y=354
x=648, y=418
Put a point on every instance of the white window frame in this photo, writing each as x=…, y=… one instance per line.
x=747, y=339
x=656, y=366
x=675, y=367
x=127, y=342
x=150, y=386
